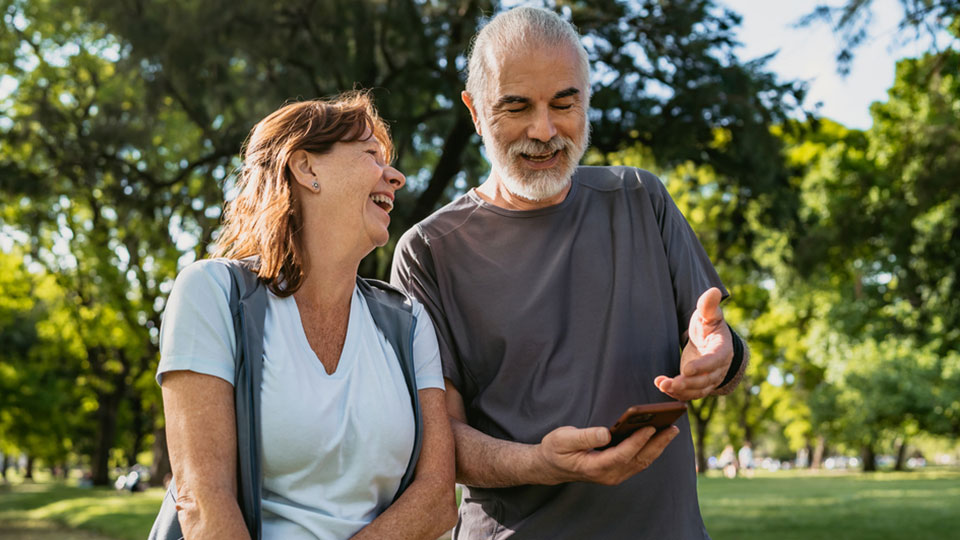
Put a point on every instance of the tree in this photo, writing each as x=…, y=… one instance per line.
x=39, y=365
x=935, y=19
x=127, y=119
x=878, y=248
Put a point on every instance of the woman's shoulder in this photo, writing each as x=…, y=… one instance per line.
x=204, y=273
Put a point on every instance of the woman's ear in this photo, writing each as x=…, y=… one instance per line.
x=302, y=170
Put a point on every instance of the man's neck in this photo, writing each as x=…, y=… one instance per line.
x=494, y=192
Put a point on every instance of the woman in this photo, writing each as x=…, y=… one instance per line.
x=315, y=191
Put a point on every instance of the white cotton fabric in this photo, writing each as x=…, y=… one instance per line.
x=335, y=446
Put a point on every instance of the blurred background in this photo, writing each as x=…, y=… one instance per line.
x=813, y=146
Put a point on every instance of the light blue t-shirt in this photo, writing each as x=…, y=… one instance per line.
x=334, y=446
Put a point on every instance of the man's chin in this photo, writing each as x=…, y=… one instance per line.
x=535, y=189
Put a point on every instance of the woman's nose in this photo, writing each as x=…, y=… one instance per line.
x=394, y=177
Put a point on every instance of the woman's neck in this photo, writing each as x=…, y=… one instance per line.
x=330, y=273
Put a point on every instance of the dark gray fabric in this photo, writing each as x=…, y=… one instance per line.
x=564, y=316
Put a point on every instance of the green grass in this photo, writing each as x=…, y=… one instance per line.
x=840, y=506
x=779, y=506
x=120, y=515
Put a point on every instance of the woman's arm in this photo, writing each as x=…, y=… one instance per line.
x=428, y=507
x=202, y=440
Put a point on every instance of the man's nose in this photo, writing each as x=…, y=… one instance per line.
x=542, y=128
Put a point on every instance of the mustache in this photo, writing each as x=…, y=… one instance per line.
x=535, y=147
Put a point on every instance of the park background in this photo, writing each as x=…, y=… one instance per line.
x=835, y=227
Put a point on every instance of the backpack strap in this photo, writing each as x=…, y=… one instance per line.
x=248, y=304
x=392, y=311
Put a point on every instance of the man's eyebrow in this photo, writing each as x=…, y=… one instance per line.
x=509, y=100
x=566, y=93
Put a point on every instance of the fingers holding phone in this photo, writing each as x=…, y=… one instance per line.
x=570, y=454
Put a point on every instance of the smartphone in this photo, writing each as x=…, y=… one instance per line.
x=658, y=415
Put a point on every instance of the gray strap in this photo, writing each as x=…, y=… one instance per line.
x=248, y=316
x=392, y=312
x=248, y=302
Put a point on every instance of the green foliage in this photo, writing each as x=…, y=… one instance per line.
x=936, y=20
x=38, y=366
x=872, y=272
x=126, y=119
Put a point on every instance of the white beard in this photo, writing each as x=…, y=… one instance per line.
x=531, y=184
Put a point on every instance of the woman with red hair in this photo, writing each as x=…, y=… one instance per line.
x=315, y=193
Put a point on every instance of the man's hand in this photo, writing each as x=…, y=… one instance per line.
x=707, y=355
x=569, y=454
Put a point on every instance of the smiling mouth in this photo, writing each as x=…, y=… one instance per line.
x=382, y=201
x=539, y=158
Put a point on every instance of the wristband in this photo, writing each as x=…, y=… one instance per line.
x=737, y=358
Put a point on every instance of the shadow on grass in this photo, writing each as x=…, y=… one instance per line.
x=105, y=511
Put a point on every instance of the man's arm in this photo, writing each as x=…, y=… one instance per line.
x=566, y=454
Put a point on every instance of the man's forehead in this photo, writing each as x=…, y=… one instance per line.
x=537, y=73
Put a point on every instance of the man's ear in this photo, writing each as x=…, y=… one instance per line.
x=468, y=101
x=299, y=165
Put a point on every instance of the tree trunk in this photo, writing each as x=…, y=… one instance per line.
x=28, y=473
x=139, y=428
x=109, y=401
x=819, y=453
x=901, y=456
x=869, y=458
x=106, y=432
x=448, y=166
x=744, y=409
x=701, y=434
x=702, y=414
x=3, y=467
x=161, y=458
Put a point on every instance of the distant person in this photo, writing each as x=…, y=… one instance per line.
x=745, y=459
x=314, y=195
x=563, y=295
x=728, y=461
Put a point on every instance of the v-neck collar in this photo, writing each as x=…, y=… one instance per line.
x=348, y=353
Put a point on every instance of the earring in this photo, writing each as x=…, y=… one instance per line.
x=316, y=186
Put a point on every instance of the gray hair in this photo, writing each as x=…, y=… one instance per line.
x=512, y=30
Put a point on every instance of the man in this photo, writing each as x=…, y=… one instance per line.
x=561, y=296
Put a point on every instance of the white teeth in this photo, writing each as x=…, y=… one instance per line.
x=542, y=157
x=382, y=199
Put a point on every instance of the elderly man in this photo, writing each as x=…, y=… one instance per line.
x=561, y=296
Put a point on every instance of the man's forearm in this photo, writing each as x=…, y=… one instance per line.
x=484, y=461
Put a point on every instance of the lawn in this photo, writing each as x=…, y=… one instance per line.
x=119, y=515
x=780, y=506
x=840, y=506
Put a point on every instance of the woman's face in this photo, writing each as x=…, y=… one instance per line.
x=356, y=192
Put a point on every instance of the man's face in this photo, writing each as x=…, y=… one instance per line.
x=533, y=120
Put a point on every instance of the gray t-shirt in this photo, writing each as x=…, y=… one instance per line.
x=564, y=316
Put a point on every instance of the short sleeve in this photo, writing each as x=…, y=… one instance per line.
x=197, y=333
x=413, y=272
x=426, y=353
x=691, y=271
